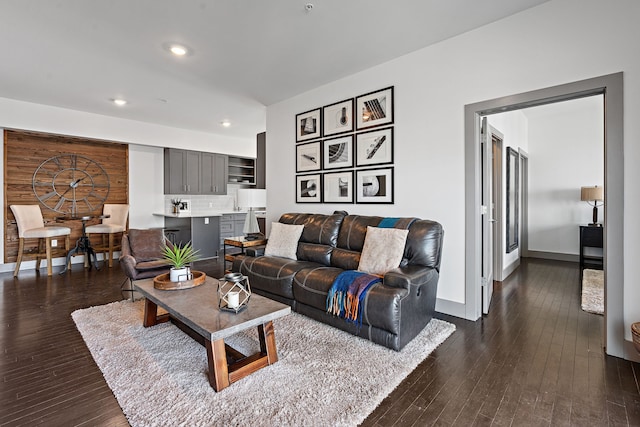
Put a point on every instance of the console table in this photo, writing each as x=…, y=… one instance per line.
x=239, y=242
x=591, y=237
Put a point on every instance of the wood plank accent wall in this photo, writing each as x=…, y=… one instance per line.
x=24, y=151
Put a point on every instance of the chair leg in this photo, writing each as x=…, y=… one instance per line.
x=41, y=251
x=48, y=250
x=123, y=290
x=111, y=238
x=19, y=259
x=67, y=248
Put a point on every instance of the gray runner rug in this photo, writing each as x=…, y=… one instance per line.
x=324, y=376
x=593, y=291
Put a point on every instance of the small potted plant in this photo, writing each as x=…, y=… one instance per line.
x=176, y=205
x=180, y=257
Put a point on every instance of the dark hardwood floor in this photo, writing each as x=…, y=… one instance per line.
x=536, y=359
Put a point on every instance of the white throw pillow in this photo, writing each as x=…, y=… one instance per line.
x=383, y=249
x=283, y=240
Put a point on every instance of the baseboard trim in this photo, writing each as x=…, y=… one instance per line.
x=556, y=256
x=510, y=269
x=451, y=308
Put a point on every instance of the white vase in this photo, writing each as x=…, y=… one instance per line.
x=178, y=274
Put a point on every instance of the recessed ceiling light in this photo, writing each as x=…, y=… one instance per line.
x=225, y=123
x=119, y=101
x=177, y=49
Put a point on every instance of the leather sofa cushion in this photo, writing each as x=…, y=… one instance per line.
x=275, y=275
x=318, y=228
x=315, y=253
x=354, y=230
x=345, y=259
x=424, y=244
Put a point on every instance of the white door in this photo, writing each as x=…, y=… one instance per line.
x=487, y=216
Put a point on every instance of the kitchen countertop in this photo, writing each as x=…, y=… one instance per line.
x=200, y=214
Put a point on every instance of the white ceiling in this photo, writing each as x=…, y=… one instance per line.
x=79, y=54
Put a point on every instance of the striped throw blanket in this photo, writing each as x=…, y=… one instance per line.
x=346, y=296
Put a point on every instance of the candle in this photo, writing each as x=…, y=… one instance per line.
x=233, y=299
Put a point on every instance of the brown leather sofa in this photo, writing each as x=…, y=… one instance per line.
x=395, y=311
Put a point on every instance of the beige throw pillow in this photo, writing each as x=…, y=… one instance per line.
x=283, y=240
x=383, y=249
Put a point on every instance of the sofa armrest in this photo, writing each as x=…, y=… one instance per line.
x=128, y=264
x=410, y=275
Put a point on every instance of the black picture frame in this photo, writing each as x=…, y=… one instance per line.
x=374, y=186
x=513, y=198
x=375, y=147
x=309, y=125
x=337, y=153
x=374, y=109
x=309, y=188
x=337, y=187
x=338, y=118
x=308, y=157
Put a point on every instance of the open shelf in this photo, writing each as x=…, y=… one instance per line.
x=242, y=170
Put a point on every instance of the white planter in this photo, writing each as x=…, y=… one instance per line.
x=179, y=274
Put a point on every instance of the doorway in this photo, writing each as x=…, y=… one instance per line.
x=611, y=86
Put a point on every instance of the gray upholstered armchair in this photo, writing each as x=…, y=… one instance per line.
x=141, y=256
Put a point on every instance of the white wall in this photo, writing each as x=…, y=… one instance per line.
x=541, y=47
x=566, y=152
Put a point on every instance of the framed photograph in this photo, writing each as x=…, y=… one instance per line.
x=374, y=186
x=308, y=125
x=338, y=187
x=374, y=147
x=338, y=117
x=374, y=109
x=337, y=152
x=308, y=189
x=308, y=157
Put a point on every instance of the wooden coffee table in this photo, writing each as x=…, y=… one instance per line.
x=196, y=312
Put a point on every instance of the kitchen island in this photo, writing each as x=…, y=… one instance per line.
x=205, y=230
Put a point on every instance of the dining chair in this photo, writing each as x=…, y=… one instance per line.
x=115, y=222
x=31, y=226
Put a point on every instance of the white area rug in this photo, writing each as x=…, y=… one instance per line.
x=593, y=291
x=324, y=376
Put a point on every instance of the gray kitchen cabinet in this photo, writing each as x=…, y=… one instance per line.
x=181, y=171
x=202, y=232
x=231, y=225
x=213, y=174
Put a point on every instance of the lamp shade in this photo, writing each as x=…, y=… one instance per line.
x=252, y=198
x=589, y=194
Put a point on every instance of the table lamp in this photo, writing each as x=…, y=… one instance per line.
x=593, y=195
x=252, y=198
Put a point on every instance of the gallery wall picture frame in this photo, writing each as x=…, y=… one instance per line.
x=337, y=153
x=308, y=188
x=308, y=157
x=337, y=187
x=374, y=147
x=309, y=125
x=374, y=109
x=338, y=117
x=374, y=185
